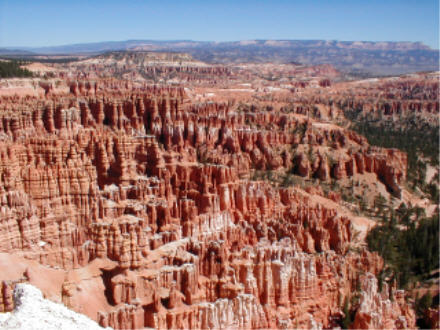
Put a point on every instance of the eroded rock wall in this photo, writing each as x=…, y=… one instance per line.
x=160, y=186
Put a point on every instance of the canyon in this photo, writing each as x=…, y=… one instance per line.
x=154, y=190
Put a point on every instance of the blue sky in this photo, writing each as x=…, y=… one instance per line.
x=48, y=22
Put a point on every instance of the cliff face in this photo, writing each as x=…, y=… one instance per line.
x=145, y=197
x=405, y=101
x=381, y=310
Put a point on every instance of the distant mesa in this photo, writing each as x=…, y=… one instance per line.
x=380, y=58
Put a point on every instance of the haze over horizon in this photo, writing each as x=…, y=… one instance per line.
x=208, y=41
x=28, y=24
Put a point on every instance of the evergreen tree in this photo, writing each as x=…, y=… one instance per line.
x=11, y=69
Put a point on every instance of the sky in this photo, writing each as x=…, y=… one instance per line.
x=57, y=22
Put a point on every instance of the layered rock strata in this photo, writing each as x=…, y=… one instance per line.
x=157, y=188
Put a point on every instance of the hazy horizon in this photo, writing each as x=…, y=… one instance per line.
x=213, y=41
x=53, y=23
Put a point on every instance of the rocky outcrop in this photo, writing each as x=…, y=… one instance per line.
x=382, y=310
x=7, y=299
x=432, y=316
x=32, y=311
x=153, y=190
x=406, y=97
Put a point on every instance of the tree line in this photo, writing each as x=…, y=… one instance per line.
x=12, y=69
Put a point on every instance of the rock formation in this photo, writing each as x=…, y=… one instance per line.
x=32, y=311
x=144, y=196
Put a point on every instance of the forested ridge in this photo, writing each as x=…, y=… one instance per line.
x=12, y=69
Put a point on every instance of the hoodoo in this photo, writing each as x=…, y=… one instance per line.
x=152, y=190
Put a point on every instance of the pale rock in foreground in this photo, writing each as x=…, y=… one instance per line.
x=32, y=311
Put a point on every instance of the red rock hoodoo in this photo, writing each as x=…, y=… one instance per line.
x=138, y=203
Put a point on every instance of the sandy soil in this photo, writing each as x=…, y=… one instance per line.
x=430, y=172
x=38, y=67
